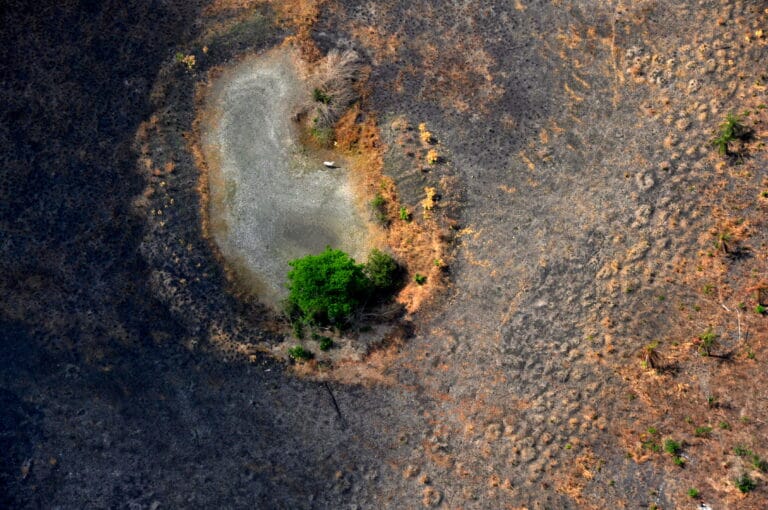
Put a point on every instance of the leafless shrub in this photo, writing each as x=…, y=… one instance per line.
x=333, y=87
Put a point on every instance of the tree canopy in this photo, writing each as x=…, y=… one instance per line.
x=329, y=287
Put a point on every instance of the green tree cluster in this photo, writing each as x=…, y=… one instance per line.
x=330, y=287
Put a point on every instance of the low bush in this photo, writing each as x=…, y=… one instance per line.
x=299, y=353
x=731, y=130
x=672, y=447
x=745, y=484
x=382, y=270
x=708, y=341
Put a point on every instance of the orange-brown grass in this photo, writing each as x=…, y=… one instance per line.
x=417, y=243
x=298, y=15
x=578, y=476
x=301, y=16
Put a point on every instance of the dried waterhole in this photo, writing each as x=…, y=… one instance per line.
x=271, y=198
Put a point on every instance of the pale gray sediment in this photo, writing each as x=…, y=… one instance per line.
x=271, y=199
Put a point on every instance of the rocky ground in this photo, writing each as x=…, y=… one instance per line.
x=589, y=215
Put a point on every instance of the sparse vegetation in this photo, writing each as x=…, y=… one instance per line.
x=322, y=135
x=650, y=357
x=708, y=341
x=760, y=309
x=325, y=343
x=672, y=447
x=187, y=59
x=741, y=451
x=299, y=353
x=420, y=279
x=651, y=445
x=404, y=214
x=321, y=97
x=425, y=135
x=334, y=87
x=379, y=206
x=731, y=130
x=723, y=242
x=382, y=270
x=744, y=483
x=702, y=431
x=693, y=493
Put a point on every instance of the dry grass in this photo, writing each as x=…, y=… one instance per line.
x=333, y=81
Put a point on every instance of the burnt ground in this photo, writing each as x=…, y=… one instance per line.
x=576, y=137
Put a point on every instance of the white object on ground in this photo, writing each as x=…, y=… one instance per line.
x=330, y=164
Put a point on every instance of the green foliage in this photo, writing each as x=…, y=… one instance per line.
x=299, y=353
x=330, y=287
x=744, y=483
x=760, y=310
x=378, y=201
x=382, y=271
x=325, y=343
x=693, y=493
x=298, y=329
x=327, y=288
x=730, y=130
x=404, y=214
x=651, y=445
x=702, y=431
x=724, y=425
x=379, y=206
x=420, y=278
x=672, y=447
x=740, y=451
x=708, y=341
x=321, y=97
x=757, y=462
x=679, y=461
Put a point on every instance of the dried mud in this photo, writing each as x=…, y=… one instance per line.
x=579, y=191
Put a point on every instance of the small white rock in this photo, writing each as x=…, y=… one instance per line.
x=330, y=164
